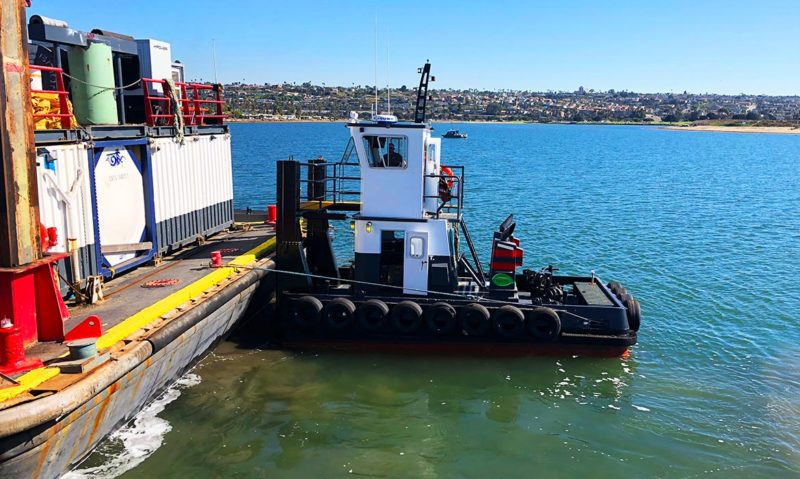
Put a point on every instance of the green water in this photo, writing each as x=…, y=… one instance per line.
x=703, y=228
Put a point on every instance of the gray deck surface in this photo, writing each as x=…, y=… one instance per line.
x=125, y=296
x=592, y=294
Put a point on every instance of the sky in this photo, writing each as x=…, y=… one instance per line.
x=700, y=46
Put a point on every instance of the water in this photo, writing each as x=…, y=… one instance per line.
x=703, y=228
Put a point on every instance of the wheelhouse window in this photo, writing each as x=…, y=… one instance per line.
x=386, y=151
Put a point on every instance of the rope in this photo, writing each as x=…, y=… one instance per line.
x=177, y=110
x=104, y=88
x=478, y=299
x=73, y=288
x=369, y=283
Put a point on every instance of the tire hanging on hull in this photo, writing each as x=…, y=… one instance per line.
x=441, y=319
x=544, y=324
x=475, y=320
x=634, y=312
x=338, y=314
x=372, y=315
x=509, y=321
x=305, y=312
x=406, y=317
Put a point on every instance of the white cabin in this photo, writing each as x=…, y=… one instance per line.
x=401, y=236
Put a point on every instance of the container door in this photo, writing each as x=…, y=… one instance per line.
x=415, y=269
x=122, y=208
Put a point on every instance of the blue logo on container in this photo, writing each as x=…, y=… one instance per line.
x=114, y=159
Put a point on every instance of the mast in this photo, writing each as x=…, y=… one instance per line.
x=388, y=88
x=376, y=63
x=214, y=58
x=422, y=92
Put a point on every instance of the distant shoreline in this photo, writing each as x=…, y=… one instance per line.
x=778, y=130
x=775, y=130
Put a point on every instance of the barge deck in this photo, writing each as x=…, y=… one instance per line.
x=52, y=419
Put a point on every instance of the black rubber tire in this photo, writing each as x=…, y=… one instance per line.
x=338, y=313
x=615, y=287
x=634, y=311
x=372, y=314
x=406, y=317
x=475, y=320
x=509, y=321
x=544, y=324
x=441, y=319
x=305, y=312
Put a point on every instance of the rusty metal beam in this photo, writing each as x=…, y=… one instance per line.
x=19, y=201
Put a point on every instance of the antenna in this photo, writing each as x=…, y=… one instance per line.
x=214, y=58
x=388, y=88
x=376, y=61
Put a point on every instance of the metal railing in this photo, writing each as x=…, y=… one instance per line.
x=330, y=182
x=64, y=115
x=194, y=99
x=340, y=182
x=452, y=201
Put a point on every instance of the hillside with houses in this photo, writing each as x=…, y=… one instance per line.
x=289, y=101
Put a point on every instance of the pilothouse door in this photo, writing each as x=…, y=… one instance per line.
x=415, y=270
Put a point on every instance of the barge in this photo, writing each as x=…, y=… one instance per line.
x=416, y=280
x=120, y=264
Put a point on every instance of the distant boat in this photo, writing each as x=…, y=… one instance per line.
x=454, y=134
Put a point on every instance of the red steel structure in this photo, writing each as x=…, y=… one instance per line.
x=64, y=113
x=195, y=100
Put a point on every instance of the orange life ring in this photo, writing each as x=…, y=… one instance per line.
x=446, y=182
x=451, y=177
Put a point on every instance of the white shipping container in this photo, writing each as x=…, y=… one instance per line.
x=192, y=188
x=65, y=202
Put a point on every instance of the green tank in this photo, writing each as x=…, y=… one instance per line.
x=92, y=93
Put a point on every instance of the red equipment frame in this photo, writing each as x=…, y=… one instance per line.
x=63, y=97
x=193, y=99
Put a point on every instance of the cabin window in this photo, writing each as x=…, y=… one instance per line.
x=386, y=151
x=432, y=152
x=415, y=247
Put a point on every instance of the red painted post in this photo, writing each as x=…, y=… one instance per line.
x=12, y=351
x=216, y=259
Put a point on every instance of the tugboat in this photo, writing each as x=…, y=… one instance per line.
x=454, y=134
x=416, y=280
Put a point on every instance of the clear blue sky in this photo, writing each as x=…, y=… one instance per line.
x=648, y=46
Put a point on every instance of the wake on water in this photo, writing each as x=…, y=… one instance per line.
x=129, y=446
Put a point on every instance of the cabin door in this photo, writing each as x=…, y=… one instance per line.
x=415, y=269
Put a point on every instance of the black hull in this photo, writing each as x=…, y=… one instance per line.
x=592, y=346
x=579, y=328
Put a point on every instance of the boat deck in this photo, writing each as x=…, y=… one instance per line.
x=128, y=293
x=130, y=309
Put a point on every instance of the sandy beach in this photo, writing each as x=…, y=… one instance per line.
x=781, y=130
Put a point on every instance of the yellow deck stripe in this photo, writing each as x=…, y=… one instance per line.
x=28, y=381
x=144, y=317
x=159, y=308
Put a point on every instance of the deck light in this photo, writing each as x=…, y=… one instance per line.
x=352, y=226
x=369, y=227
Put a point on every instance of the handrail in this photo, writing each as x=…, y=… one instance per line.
x=64, y=115
x=458, y=179
x=192, y=103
